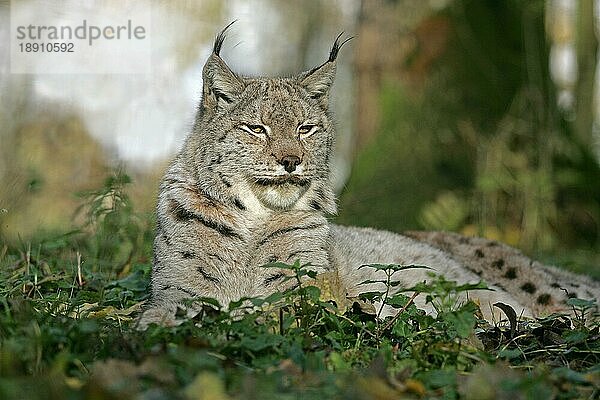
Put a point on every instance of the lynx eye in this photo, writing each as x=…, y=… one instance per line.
x=306, y=130
x=255, y=130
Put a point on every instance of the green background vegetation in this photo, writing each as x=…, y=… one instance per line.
x=482, y=147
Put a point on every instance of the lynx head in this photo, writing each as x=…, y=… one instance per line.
x=270, y=136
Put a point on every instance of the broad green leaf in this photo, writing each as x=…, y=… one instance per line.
x=580, y=303
x=393, y=267
x=462, y=321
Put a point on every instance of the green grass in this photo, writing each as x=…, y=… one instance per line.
x=68, y=306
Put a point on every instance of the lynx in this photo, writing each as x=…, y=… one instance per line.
x=251, y=185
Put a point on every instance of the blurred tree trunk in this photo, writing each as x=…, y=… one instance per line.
x=587, y=47
x=388, y=35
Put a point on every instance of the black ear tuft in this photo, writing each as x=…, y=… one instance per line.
x=318, y=80
x=335, y=49
x=220, y=84
x=221, y=38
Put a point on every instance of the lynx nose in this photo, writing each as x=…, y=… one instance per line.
x=290, y=163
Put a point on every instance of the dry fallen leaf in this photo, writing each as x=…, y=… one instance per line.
x=206, y=386
x=333, y=289
x=92, y=310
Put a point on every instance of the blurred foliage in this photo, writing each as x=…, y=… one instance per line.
x=45, y=158
x=67, y=330
x=53, y=164
x=118, y=233
x=404, y=166
x=480, y=147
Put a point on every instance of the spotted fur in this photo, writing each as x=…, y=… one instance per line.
x=540, y=288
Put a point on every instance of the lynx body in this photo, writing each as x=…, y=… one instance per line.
x=251, y=185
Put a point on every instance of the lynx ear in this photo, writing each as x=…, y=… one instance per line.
x=318, y=81
x=220, y=84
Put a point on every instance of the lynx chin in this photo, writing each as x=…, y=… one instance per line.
x=252, y=185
